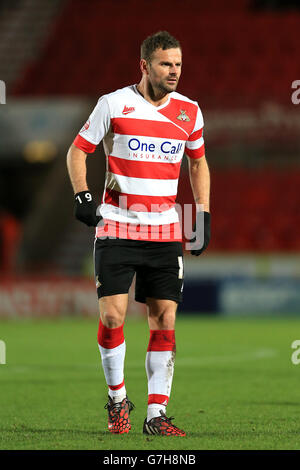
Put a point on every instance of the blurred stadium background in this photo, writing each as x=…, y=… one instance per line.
x=240, y=61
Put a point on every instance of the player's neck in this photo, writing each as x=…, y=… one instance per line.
x=149, y=94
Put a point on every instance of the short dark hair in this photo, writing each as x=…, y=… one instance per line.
x=161, y=39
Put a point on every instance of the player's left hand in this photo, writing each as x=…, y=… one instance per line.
x=199, y=226
x=85, y=209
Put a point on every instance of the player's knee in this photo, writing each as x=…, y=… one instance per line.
x=163, y=319
x=112, y=311
x=112, y=318
x=167, y=320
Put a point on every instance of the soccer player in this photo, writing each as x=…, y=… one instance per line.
x=145, y=128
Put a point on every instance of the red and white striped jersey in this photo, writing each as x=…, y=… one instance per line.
x=144, y=146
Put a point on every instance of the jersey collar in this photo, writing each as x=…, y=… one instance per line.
x=146, y=101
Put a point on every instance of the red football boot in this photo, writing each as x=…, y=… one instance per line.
x=118, y=415
x=162, y=425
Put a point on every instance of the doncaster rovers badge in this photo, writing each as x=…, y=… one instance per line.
x=183, y=116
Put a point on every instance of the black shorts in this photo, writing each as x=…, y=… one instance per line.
x=158, y=267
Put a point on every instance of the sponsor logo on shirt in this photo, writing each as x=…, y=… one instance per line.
x=128, y=110
x=166, y=147
x=183, y=116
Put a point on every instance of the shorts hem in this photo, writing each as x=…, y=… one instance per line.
x=106, y=294
x=169, y=297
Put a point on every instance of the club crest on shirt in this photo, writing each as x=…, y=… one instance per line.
x=183, y=116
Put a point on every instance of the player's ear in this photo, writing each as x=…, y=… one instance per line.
x=144, y=66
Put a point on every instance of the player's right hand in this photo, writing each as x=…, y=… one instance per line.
x=85, y=209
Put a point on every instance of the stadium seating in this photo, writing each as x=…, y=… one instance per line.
x=252, y=210
x=241, y=59
x=234, y=62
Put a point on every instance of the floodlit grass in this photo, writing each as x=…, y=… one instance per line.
x=234, y=386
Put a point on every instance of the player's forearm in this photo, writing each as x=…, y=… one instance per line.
x=200, y=182
x=76, y=164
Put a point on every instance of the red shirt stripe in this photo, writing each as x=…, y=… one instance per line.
x=143, y=169
x=155, y=233
x=147, y=128
x=183, y=113
x=196, y=135
x=197, y=153
x=84, y=145
x=138, y=203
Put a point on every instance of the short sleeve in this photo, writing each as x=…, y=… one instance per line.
x=95, y=128
x=194, y=147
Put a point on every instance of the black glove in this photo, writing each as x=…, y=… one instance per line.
x=85, y=209
x=199, y=225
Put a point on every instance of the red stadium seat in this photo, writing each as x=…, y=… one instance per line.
x=236, y=63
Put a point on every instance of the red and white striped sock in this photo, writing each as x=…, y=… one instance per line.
x=160, y=359
x=112, y=348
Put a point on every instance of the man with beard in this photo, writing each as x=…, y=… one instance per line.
x=145, y=128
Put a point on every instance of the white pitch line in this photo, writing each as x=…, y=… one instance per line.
x=238, y=357
x=198, y=360
x=179, y=362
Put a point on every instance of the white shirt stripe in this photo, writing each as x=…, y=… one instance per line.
x=108, y=211
x=195, y=144
x=141, y=186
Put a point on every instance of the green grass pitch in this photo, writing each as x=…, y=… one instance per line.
x=234, y=387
